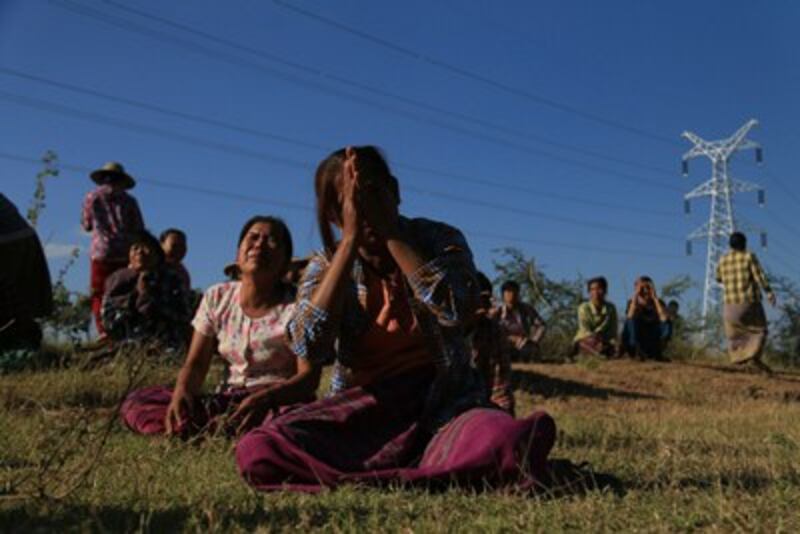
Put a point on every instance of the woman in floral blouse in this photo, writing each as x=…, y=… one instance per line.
x=244, y=321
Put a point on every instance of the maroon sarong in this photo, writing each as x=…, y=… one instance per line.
x=144, y=410
x=373, y=434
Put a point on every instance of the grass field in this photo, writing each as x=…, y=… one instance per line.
x=693, y=446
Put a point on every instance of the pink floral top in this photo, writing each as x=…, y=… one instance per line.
x=253, y=348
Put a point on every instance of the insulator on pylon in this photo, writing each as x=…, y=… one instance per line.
x=685, y=168
x=687, y=207
x=763, y=240
x=688, y=248
x=759, y=155
x=762, y=197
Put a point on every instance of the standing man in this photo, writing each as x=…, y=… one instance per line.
x=523, y=326
x=113, y=217
x=743, y=316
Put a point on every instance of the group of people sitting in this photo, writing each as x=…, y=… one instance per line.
x=140, y=289
x=420, y=386
x=391, y=304
x=647, y=328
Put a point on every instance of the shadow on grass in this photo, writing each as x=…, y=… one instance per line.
x=744, y=481
x=567, y=479
x=550, y=386
x=785, y=375
x=83, y=518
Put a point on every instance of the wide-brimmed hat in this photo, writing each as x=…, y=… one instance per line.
x=113, y=171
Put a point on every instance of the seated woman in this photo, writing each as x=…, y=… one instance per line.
x=244, y=320
x=146, y=300
x=597, y=321
x=648, y=327
x=389, y=303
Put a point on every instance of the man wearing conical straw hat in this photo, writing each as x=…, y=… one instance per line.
x=113, y=217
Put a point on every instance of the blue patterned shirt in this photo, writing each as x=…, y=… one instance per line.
x=443, y=297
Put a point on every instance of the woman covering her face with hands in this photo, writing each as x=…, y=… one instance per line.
x=244, y=321
x=388, y=304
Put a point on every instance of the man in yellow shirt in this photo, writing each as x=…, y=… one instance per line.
x=745, y=323
x=597, y=321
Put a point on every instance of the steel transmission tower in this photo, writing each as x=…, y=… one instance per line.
x=722, y=221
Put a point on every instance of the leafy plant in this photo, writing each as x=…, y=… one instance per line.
x=49, y=170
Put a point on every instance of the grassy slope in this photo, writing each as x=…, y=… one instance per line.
x=695, y=446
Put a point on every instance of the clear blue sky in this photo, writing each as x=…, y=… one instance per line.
x=623, y=80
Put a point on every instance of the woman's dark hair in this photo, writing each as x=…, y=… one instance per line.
x=149, y=240
x=371, y=161
x=172, y=231
x=738, y=241
x=283, y=231
x=645, y=278
x=509, y=285
x=598, y=280
x=484, y=284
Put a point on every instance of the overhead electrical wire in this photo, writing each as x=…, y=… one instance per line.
x=220, y=193
x=473, y=75
x=235, y=60
x=237, y=128
x=44, y=105
x=327, y=74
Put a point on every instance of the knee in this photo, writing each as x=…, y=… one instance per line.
x=258, y=460
x=542, y=427
x=143, y=410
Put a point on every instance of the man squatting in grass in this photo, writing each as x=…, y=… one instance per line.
x=648, y=326
x=523, y=325
x=597, y=321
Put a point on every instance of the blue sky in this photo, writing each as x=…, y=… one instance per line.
x=571, y=111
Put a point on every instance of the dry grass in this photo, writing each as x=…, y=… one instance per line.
x=693, y=446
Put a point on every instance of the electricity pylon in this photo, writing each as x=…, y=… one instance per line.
x=722, y=221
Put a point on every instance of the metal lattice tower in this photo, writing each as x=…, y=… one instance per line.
x=722, y=221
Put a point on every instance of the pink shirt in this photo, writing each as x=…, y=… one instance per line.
x=253, y=348
x=114, y=218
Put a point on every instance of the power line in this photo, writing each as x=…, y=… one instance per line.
x=474, y=76
x=216, y=193
x=528, y=213
x=573, y=246
x=305, y=144
x=238, y=151
x=782, y=185
x=379, y=91
x=503, y=143
x=52, y=107
x=219, y=193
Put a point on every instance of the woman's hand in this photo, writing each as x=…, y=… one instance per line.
x=180, y=406
x=350, y=197
x=252, y=410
